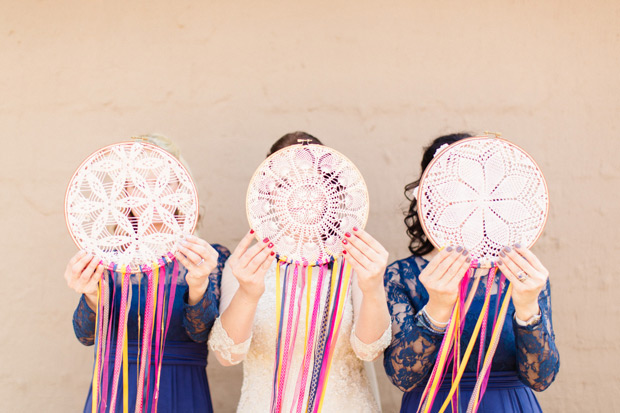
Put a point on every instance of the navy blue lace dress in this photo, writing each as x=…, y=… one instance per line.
x=526, y=358
x=183, y=384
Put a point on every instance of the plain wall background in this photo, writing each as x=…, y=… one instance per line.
x=375, y=80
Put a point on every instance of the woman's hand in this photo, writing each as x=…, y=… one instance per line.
x=441, y=278
x=200, y=259
x=83, y=273
x=528, y=277
x=250, y=264
x=368, y=259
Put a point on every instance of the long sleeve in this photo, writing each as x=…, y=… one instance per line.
x=366, y=351
x=199, y=318
x=411, y=355
x=538, y=359
x=219, y=341
x=84, y=319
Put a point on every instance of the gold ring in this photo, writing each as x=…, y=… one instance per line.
x=522, y=276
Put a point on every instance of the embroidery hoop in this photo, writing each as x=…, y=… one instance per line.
x=292, y=220
x=432, y=208
x=144, y=245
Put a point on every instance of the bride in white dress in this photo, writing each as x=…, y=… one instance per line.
x=246, y=329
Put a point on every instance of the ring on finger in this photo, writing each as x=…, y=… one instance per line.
x=201, y=262
x=522, y=276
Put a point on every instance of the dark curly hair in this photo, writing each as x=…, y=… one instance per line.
x=292, y=139
x=419, y=244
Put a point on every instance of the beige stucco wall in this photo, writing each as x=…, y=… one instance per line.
x=375, y=80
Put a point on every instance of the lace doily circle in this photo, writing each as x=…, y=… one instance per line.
x=483, y=193
x=130, y=203
x=304, y=198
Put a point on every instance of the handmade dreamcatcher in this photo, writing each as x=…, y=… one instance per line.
x=304, y=198
x=129, y=204
x=483, y=193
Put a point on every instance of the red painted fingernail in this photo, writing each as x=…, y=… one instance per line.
x=344, y=241
x=266, y=240
x=251, y=231
x=344, y=252
x=273, y=253
x=347, y=234
x=354, y=228
x=270, y=245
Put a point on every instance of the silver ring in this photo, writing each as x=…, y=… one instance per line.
x=200, y=263
x=522, y=276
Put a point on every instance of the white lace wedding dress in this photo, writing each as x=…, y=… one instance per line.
x=351, y=386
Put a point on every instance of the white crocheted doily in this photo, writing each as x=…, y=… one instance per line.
x=304, y=198
x=130, y=203
x=483, y=193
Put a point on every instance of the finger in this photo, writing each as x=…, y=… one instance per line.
x=249, y=255
x=355, y=264
x=459, y=273
x=191, y=255
x=197, y=240
x=183, y=259
x=89, y=271
x=510, y=270
x=369, y=240
x=258, y=260
x=531, y=258
x=203, y=251
x=448, y=261
x=78, y=267
x=444, y=254
x=357, y=255
x=365, y=249
x=244, y=244
x=267, y=263
x=507, y=273
x=96, y=276
x=520, y=262
x=76, y=257
x=457, y=269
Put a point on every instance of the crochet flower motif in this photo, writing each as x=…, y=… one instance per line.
x=129, y=203
x=484, y=196
x=304, y=198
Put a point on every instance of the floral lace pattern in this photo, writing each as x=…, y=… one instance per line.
x=222, y=344
x=530, y=351
x=188, y=323
x=370, y=351
x=199, y=318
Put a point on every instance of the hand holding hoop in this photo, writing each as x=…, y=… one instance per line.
x=82, y=274
x=367, y=257
x=514, y=261
x=441, y=278
x=250, y=264
x=200, y=259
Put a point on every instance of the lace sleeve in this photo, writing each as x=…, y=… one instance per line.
x=411, y=355
x=84, y=319
x=538, y=359
x=225, y=347
x=199, y=318
x=370, y=351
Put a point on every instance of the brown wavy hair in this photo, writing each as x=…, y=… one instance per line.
x=419, y=243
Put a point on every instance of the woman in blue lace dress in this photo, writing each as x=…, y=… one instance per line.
x=422, y=291
x=183, y=384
